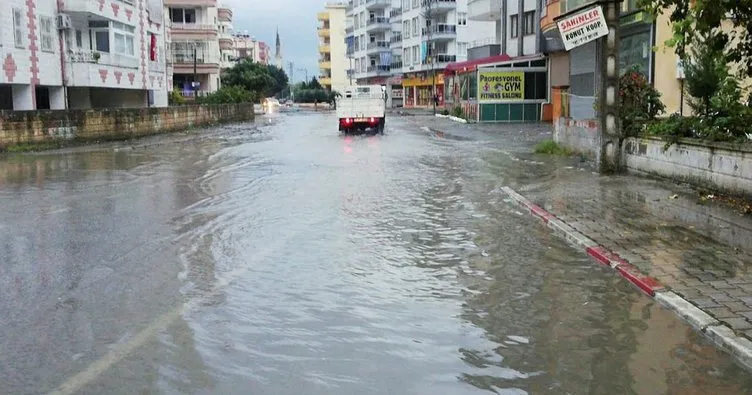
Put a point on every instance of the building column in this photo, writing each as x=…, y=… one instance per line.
x=57, y=98
x=23, y=97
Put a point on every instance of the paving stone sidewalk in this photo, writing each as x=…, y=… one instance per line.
x=701, y=250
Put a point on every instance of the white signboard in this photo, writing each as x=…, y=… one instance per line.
x=583, y=27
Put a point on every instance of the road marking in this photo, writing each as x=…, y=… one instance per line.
x=75, y=383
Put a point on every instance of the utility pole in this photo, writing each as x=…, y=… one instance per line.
x=429, y=49
x=291, y=67
x=195, y=80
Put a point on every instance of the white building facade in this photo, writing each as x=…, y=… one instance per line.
x=79, y=54
x=516, y=29
x=195, y=51
x=407, y=44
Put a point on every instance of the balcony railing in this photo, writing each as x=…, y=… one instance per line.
x=439, y=5
x=193, y=27
x=441, y=29
x=378, y=22
x=441, y=58
x=103, y=58
x=396, y=65
x=395, y=13
x=378, y=69
x=378, y=45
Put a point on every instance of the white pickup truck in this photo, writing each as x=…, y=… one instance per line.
x=362, y=107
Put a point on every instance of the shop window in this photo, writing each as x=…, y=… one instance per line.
x=536, y=86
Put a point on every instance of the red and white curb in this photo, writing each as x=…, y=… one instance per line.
x=725, y=338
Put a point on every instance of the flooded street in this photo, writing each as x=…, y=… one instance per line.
x=282, y=258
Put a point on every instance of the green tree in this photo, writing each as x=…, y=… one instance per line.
x=695, y=19
x=280, y=81
x=705, y=72
x=258, y=79
x=314, y=84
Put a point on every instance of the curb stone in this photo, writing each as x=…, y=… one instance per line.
x=723, y=337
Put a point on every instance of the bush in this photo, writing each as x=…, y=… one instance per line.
x=457, y=112
x=640, y=102
x=445, y=112
x=550, y=147
x=228, y=94
x=176, y=99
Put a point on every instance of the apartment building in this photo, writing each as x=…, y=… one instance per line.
x=406, y=44
x=333, y=60
x=516, y=29
x=195, y=51
x=82, y=54
x=247, y=47
x=226, y=39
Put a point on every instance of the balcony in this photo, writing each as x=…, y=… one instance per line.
x=395, y=14
x=102, y=70
x=325, y=48
x=378, y=4
x=396, y=40
x=116, y=11
x=323, y=16
x=395, y=66
x=190, y=3
x=377, y=46
x=349, y=30
x=553, y=10
x=195, y=31
x=379, y=23
x=324, y=32
x=378, y=70
x=440, y=32
x=226, y=42
x=325, y=64
x=325, y=81
x=183, y=62
x=441, y=6
x=484, y=10
x=224, y=14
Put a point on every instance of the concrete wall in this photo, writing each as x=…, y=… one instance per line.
x=579, y=136
x=23, y=127
x=722, y=167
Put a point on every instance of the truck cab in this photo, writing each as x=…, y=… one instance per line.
x=362, y=107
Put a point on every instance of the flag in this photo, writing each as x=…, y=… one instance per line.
x=386, y=58
x=423, y=51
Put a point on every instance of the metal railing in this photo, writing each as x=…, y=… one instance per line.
x=441, y=28
x=441, y=58
x=378, y=45
x=377, y=20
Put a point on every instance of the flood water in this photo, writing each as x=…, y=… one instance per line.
x=282, y=258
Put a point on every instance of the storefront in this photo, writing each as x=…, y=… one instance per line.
x=418, y=89
x=512, y=90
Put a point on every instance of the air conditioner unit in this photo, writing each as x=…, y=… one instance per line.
x=64, y=22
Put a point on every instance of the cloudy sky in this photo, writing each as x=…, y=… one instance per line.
x=297, y=28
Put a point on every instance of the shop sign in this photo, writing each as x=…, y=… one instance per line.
x=496, y=86
x=583, y=27
x=423, y=80
x=397, y=94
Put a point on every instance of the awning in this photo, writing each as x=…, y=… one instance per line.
x=471, y=65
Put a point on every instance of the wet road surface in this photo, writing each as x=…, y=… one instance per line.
x=282, y=258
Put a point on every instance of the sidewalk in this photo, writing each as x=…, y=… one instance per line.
x=699, y=249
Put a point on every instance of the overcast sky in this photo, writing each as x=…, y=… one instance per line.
x=297, y=28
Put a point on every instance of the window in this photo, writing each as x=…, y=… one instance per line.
x=461, y=49
x=416, y=55
x=528, y=24
x=415, y=27
x=45, y=33
x=514, y=26
x=406, y=29
x=462, y=18
x=79, y=39
x=18, y=27
x=124, y=38
x=183, y=15
x=415, y=4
